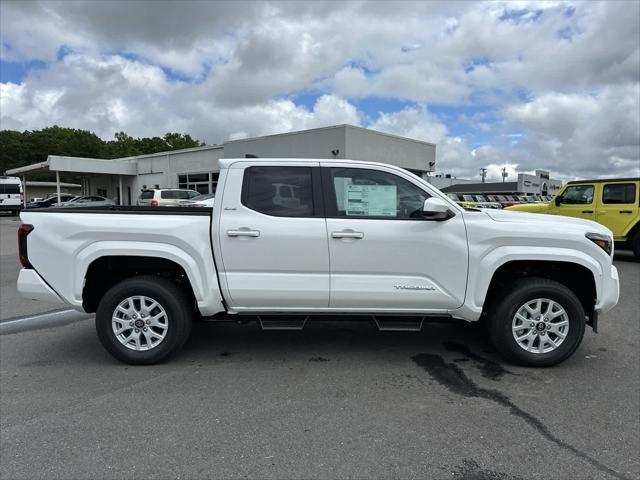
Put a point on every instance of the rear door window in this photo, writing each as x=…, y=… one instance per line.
x=619, y=193
x=174, y=195
x=279, y=191
x=9, y=189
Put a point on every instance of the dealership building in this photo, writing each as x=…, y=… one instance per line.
x=539, y=183
x=197, y=168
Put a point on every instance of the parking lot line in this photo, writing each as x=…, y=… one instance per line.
x=44, y=320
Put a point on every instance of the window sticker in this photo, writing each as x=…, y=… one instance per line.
x=371, y=200
x=341, y=184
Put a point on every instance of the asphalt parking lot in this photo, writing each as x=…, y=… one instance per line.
x=337, y=400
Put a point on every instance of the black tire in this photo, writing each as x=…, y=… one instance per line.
x=527, y=289
x=168, y=296
x=635, y=244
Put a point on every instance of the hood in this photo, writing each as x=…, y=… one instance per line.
x=541, y=219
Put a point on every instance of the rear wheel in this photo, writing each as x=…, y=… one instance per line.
x=143, y=320
x=539, y=324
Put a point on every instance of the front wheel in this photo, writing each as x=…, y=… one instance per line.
x=143, y=320
x=540, y=323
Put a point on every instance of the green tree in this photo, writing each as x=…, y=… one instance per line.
x=18, y=149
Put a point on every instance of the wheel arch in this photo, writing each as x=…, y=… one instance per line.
x=117, y=262
x=579, y=272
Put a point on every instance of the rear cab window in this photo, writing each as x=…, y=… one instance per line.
x=146, y=195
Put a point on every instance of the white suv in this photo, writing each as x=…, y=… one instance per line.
x=165, y=197
x=11, y=194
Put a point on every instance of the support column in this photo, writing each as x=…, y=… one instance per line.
x=58, y=185
x=24, y=191
x=120, y=189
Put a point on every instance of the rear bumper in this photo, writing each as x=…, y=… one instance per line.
x=610, y=291
x=31, y=286
x=7, y=206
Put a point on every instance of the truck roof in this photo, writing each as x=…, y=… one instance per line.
x=227, y=162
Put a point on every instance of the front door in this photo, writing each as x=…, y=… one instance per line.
x=273, y=238
x=577, y=201
x=384, y=255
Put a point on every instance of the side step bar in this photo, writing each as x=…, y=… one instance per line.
x=399, y=324
x=384, y=323
x=286, y=322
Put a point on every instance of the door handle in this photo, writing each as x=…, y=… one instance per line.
x=243, y=232
x=626, y=211
x=587, y=211
x=347, y=234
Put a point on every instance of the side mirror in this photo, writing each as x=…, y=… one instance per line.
x=436, y=209
x=557, y=200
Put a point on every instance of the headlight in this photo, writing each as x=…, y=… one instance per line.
x=605, y=242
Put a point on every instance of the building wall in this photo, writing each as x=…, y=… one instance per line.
x=316, y=143
x=442, y=181
x=363, y=144
x=538, y=183
x=41, y=191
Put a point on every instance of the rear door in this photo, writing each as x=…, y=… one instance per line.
x=273, y=245
x=384, y=255
x=618, y=207
x=577, y=201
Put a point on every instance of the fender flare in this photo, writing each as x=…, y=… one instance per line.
x=490, y=263
x=200, y=272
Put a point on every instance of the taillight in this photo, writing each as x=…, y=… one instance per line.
x=24, y=230
x=154, y=203
x=22, y=198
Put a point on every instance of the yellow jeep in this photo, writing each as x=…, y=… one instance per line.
x=613, y=202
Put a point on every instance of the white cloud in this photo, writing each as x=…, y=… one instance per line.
x=411, y=122
x=563, y=75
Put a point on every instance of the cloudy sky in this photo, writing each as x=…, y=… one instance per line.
x=529, y=85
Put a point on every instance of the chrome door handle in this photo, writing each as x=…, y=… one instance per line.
x=243, y=232
x=347, y=234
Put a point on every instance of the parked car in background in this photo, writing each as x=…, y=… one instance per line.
x=505, y=201
x=614, y=203
x=199, y=201
x=483, y=202
x=165, y=197
x=50, y=201
x=88, y=201
x=11, y=194
x=460, y=201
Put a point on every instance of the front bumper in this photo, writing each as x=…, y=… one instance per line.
x=31, y=286
x=610, y=291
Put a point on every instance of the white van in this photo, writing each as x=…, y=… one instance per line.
x=11, y=196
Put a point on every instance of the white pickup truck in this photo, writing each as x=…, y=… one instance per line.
x=288, y=239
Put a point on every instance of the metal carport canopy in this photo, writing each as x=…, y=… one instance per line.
x=56, y=163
